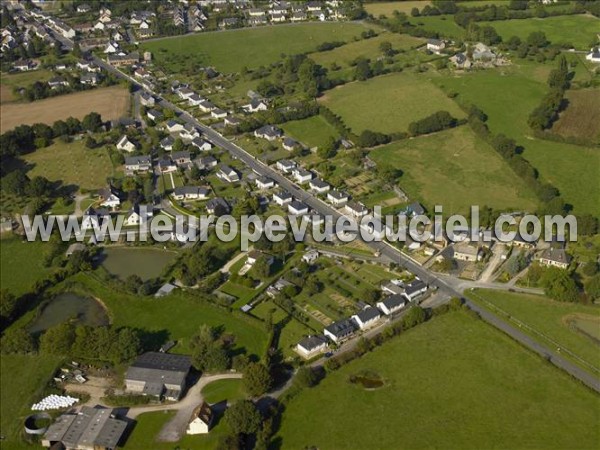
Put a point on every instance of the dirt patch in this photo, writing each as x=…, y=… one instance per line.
x=582, y=116
x=367, y=379
x=584, y=324
x=111, y=103
x=6, y=94
x=95, y=387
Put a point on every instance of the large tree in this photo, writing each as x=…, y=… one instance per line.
x=243, y=417
x=257, y=379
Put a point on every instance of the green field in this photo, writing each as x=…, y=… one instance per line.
x=455, y=169
x=445, y=26
x=388, y=103
x=220, y=390
x=178, y=315
x=366, y=48
x=72, y=164
x=387, y=8
x=574, y=170
x=21, y=264
x=550, y=318
x=23, y=377
x=145, y=262
x=452, y=383
x=312, y=132
x=231, y=51
x=580, y=30
x=9, y=82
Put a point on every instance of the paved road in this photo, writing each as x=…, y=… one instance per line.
x=450, y=287
x=175, y=428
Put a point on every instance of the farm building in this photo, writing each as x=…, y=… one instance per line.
x=159, y=375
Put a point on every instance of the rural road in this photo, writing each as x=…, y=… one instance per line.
x=175, y=428
x=450, y=287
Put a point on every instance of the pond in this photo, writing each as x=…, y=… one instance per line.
x=68, y=306
x=368, y=380
x=144, y=262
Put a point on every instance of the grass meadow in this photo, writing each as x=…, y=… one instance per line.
x=582, y=116
x=21, y=264
x=388, y=103
x=387, y=8
x=443, y=381
x=250, y=47
x=72, y=164
x=455, y=169
x=313, y=132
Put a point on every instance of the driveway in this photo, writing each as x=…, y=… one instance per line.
x=175, y=428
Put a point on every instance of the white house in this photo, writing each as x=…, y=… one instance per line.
x=319, y=186
x=218, y=113
x=195, y=99
x=206, y=106
x=255, y=105
x=285, y=165
x=174, y=126
x=414, y=289
x=191, y=193
x=93, y=218
x=201, y=144
x=311, y=346
x=268, y=132
x=297, y=208
x=435, y=45
x=189, y=132
x=138, y=164
x=356, y=209
x=265, y=183
x=302, y=175
x=367, y=317
x=555, y=257
x=310, y=256
x=166, y=165
x=167, y=143
x=282, y=198
x=593, y=55
x=201, y=420
x=337, y=198
x=138, y=214
x=112, y=47
x=391, y=304
x=125, y=144
x=228, y=174
x=109, y=197
x=340, y=331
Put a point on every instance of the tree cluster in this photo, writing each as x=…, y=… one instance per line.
x=436, y=122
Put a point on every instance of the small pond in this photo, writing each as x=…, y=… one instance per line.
x=144, y=262
x=68, y=306
x=367, y=380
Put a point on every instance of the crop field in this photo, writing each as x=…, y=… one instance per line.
x=422, y=398
x=111, y=103
x=522, y=87
x=387, y=8
x=72, y=164
x=455, y=169
x=20, y=392
x=21, y=264
x=388, y=103
x=233, y=50
x=579, y=30
x=554, y=319
x=312, y=132
x=366, y=48
x=582, y=116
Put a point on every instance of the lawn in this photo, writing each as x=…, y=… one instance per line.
x=22, y=380
x=220, y=390
x=582, y=116
x=387, y=8
x=148, y=425
x=579, y=30
x=551, y=318
x=71, y=164
x=574, y=170
x=388, y=103
x=111, y=103
x=367, y=48
x=454, y=382
x=445, y=26
x=455, y=169
x=313, y=132
x=9, y=82
x=21, y=264
x=175, y=317
x=232, y=50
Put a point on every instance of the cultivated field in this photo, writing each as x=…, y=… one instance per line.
x=388, y=103
x=22, y=380
x=443, y=382
x=456, y=169
x=522, y=87
x=580, y=30
x=232, y=50
x=582, y=116
x=72, y=164
x=388, y=8
x=313, y=132
x=556, y=320
x=110, y=103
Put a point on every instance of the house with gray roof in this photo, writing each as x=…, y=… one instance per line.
x=340, y=330
x=311, y=346
x=158, y=374
x=367, y=317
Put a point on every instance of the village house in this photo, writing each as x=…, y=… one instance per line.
x=356, y=209
x=228, y=174
x=93, y=218
x=154, y=115
x=268, y=132
x=218, y=113
x=185, y=93
x=593, y=55
x=435, y=45
x=461, y=61
x=290, y=144
x=340, y=331
x=254, y=255
x=207, y=162
x=302, y=175
x=393, y=287
x=166, y=165
x=299, y=16
x=255, y=105
x=195, y=100
x=319, y=186
x=58, y=81
x=278, y=18
x=158, y=374
x=182, y=159
x=125, y=144
x=109, y=197
x=337, y=198
x=391, y=304
x=93, y=428
x=217, y=206
x=138, y=214
x=141, y=163
x=90, y=79
x=285, y=165
x=206, y=106
x=191, y=193
x=414, y=289
x=265, y=183
x=231, y=121
x=173, y=126
x=201, y=144
x=555, y=256
x=466, y=252
x=201, y=420
x=282, y=198
x=310, y=256
x=24, y=65
x=367, y=317
x=167, y=143
x=297, y=208
x=311, y=346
